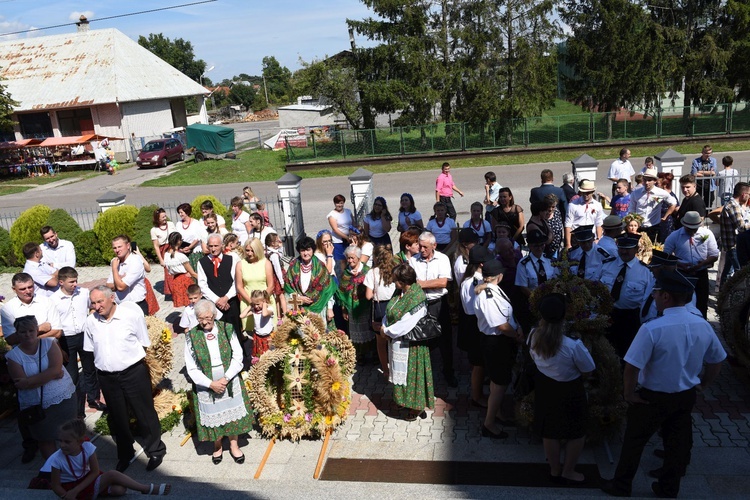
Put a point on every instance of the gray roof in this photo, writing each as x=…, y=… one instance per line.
x=86, y=69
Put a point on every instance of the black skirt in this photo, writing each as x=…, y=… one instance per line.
x=469, y=337
x=560, y=408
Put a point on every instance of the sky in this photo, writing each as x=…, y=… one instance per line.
x=233, y=36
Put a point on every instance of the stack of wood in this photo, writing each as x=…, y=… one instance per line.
x=263, y=115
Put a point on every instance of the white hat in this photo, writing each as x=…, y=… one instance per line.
x=651, y=172
x=586, y=186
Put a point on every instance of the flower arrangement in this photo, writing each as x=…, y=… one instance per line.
x=588, y=306
x=302, y=385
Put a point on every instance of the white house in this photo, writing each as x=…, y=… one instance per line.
x=94, y=82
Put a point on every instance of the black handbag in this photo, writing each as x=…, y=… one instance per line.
x=427, y=328
x=34, y=414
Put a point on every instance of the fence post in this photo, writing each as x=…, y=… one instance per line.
x=558, y=128
x=525, y=131
x=670, y=160
x=372, y=140
x=110, y=199
x=728, y=122
x=401, y=131
x=315, y=150
x=289, y=194
x=658, y=122
x=361, y=186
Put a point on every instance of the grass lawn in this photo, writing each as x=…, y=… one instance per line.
x=263, y=165
x=10, y=189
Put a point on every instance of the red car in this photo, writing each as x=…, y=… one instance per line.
x=160, y=152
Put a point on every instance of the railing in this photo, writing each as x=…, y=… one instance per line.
x=542, y=130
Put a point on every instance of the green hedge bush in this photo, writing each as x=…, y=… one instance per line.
x=26, y=229
x=66, y=226
x=7, y=257
x=88, y=252
x=219, y=208
x=144, y=221
x=113, y=222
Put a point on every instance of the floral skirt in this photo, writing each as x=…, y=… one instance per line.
x=418, y=393
x=260, y=344
x=360, y=328
x=151, y=301
x=218, y=416
x=167, y=277
x=180, y=284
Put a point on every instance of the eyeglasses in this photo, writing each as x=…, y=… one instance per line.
x=326, y=241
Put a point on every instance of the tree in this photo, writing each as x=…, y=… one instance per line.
x=278, y=79
x=737, y=36
x=242, y=94
x=178, y=53
x=333, y=79
x=618, y=56
x=6, y=110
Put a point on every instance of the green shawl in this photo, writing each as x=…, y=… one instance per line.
x=410, y=299
x=321, y=287
x=197, y=339
x=351, y=292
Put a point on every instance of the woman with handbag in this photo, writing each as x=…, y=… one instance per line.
x=501, y=333
x=410, y=368
x=560, y=409
x=46, y=393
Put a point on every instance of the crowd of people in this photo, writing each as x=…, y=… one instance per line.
x=234, y=286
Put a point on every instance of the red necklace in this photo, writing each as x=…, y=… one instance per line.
x=188, y=224
x=83, y=465
x=305, y=268
x=210, y=336
x=476, y=228
x=164, y=227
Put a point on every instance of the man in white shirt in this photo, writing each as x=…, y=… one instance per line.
x=72, y=304
x=647, y=201
x=56, y=252
x=621, y=169
x=216, y=279
x=28, y=303
x=127, y=277
x=433, y=274
x=584, y=211
x=44, y=275
x=118, y=336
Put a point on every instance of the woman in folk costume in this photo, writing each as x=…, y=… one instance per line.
x=308, y=284
x=356, y=308
x=410, y=368
x=213, y=359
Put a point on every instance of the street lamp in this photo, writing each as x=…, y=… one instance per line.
x=204, y=73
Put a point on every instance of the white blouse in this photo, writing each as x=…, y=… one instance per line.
x=176, y=264
x=235, y=366
x=55, y=391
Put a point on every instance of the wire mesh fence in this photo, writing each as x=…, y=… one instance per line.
x=633, y=124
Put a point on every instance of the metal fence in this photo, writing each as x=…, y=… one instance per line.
x=540, y=130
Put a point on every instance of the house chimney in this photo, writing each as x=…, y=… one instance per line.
x=83, y=24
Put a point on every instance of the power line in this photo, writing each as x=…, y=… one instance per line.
x=106, y=18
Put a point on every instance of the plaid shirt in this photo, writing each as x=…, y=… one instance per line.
x=733, y=221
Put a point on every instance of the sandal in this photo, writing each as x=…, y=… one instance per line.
x=160, y=490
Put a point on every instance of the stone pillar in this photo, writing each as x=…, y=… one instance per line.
x=361, y=193
x=110, y=199
x=291, y=205
x=584, y=167
x=671, y=161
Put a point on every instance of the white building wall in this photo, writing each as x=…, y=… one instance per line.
x=146, y=118
x=293, y=118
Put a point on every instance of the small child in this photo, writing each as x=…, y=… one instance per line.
x=262, y=320
x=726, y=179
x=232, y=244
x=274, y=253
x=75, y=470
x=647, y=164
x=502, y=230
x=188, y=320
x=621, y=199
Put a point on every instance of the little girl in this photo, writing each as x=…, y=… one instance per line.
x=274, y=253
x=262, y=320
x=502, y=230
x=75, y=469
x=232, y=244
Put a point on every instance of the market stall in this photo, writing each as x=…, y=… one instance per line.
x=22, y=158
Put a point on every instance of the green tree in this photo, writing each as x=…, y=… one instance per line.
x=179, y=53
x=618, y=56
x=333, y=79
x=6, y=110
x=278, y=80
x=737, y=37
x=242, y=94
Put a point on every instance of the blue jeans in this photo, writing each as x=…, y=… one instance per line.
x=731, y=262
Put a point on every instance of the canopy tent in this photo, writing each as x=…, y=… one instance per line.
x=76, y=139
x=23, y=143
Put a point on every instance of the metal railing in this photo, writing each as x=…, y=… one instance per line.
x=540, y=130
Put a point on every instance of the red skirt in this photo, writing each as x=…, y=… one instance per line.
x=88, y=492
x=151, y=301
x=167, y=277
x=278, y=288
x=260, y=344
x=180, y=284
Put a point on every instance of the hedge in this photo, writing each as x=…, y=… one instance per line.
x=88, y=252
x=26, y=229
x=144, y=221
x=66, y=226
x=114, y=222
x=7, y=257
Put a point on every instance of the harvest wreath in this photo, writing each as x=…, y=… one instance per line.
x=301, y=386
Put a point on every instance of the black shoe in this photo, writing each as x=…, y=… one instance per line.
x=122, y=465
x=659, y=453
x=609, y=488
x=659, y=492
x=488, y=433
x=658, y=473
x=28, y=454
x=217, y=459
x=98, y=405
x=238, y=460
x=451, y=380
x=153, y=463
x=506, y=423
x=572, y=483
x=556, y=479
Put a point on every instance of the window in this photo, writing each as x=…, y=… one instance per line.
x=74, y=122
x=35, y=125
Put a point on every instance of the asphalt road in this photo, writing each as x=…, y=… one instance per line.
x=317, y=194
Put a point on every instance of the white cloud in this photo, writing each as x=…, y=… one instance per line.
x=76, y=15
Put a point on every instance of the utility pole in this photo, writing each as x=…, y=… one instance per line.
x=265, y=88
